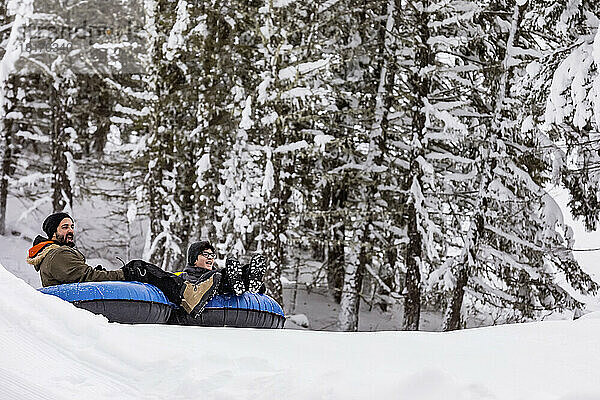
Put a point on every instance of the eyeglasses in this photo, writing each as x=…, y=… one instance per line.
x=208, y=255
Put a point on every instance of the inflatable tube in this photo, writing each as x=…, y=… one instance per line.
x=250, y=310
x=124, y=302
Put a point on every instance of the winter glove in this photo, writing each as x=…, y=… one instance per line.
x=99, y=268
x=135, y=270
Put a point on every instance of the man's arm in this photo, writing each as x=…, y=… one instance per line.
x=67, y=267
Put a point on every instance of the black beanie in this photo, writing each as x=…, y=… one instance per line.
x=196, y=248
x=51, y=223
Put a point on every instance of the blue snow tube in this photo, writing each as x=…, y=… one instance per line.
x=124, y=302
x=250, y=310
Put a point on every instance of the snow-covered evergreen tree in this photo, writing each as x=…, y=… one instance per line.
x=570, y=77
x=15, y=16
x=515, y=253
x=169, y=154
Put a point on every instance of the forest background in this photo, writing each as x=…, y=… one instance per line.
x=402, y=150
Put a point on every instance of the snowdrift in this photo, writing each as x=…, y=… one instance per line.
x=51, y=350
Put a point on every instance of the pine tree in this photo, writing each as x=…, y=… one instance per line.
x=169, y=154
x=509, y=255
x=13, y=46
x=569, y=81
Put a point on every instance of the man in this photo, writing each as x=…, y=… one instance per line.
x=235, y=277
x=58, y=262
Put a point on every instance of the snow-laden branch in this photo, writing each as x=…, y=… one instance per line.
x=23, y=11
x=37, y=204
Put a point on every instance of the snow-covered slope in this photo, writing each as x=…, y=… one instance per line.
x=52, y=350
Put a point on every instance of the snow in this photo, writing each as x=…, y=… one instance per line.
x=36, y=204
x=33, y=137
x=327, y=4
x=583, y=239
x=14, y=115
x=291, y=147
x=131, y=212
x=302, y=92
x=570, y=77
x=298, y=319
x=265, y=31
x=288, y=73
x=52, y=350
x=282, y=3
x=131, y=111
x=303, y=68
x=120, y=120
x=321, y=140
x=176, y=39
x=247, y=122
x=450, y=122
x=22, y=10
x=572, y=7
x=268, y=181
x=33, y=179
x=262, y=90
x=595, y=91
x=269, y=119
x=71, y=171
x=203, y=164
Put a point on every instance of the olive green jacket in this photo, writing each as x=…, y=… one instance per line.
x=63, y=264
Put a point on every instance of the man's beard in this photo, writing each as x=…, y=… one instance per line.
x=62, y=239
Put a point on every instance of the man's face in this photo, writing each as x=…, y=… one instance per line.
x=206, y=259
x=65, y=233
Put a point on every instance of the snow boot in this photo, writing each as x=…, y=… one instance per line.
x=195, y=296
x=256, y=271
x=233, y=269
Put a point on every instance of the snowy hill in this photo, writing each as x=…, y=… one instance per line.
x=52, y=350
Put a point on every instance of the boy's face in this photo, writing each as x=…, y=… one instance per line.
x=206, y=259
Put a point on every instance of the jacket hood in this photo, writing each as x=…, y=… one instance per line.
x=41, y=248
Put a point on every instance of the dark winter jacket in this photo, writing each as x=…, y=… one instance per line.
x=195, y=274
x=58, y=264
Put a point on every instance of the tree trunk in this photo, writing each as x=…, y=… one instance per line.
x=275, y=227
x=6, y=125
x=353, y=278
x=335, y=253
x=62, y=195
x=412, y=301
x=453, y=315
x=348, y=316
x=413, y=259
x=452, y=320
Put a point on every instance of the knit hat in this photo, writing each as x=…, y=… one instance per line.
x=196, y=248
x=51, y=223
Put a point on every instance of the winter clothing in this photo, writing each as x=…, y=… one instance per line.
x=235, y=278
x=234, y=275
x=195, y=249
x=194, y=274
x=199, y=294
x=142, y=271
x=178, y=290
x=256, y=271
x=59, y=264
x=51, y=223
x=39, y=239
